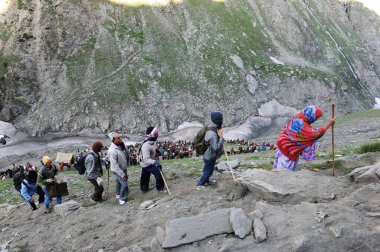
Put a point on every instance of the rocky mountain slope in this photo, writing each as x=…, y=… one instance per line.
x=306, y=210
x=71, y=65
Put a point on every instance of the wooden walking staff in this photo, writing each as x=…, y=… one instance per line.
x=228, y=162
x=166, y=185
x=332, y=138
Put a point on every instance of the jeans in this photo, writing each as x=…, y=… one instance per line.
x=208, y=170
x=145, y=178
x=97, y=196
x=121, y=187
x=48, y=199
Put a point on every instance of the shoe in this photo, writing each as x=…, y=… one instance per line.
x=161, y=191
x=210, y=183
x=48, y=209
x=200, y=187
x=93, y=201
x=121, y=202
x=117, y=196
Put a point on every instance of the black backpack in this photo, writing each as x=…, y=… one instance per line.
x=80, y=164
x=200, y=145
x=17, y=180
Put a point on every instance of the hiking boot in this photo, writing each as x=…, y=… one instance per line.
x=121, y=202
x=161, y=191
x=200, y=187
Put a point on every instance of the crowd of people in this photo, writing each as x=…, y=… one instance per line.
x=298, y=138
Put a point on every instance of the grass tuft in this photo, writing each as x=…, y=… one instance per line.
x=369, y=147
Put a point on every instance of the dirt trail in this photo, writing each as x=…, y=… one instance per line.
x=110, y=227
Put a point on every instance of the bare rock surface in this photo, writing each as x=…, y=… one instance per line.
x=66, y=208
x=187, y=230
x=226, y=166
x=259, y=230
x=367, y=174
x=240, y=223
x=293, y=187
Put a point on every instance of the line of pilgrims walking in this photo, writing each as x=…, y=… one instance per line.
x=297, y=139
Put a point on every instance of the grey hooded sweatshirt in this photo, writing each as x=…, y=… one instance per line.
x=215, y=150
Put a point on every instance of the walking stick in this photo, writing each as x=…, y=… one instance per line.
x=166, y=185
x=332, y=138
x=108, y=180
x=228, y=162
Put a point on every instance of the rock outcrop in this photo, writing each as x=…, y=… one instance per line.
x=70, y=66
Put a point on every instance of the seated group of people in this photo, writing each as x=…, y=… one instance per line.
x=165, y=149
x=251, y=148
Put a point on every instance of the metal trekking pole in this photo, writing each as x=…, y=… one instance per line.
x=332, y=138
x=228, y=162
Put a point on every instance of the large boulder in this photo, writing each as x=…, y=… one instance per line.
x=225, y=166
x=187, y=230
x=293, y=187
x=66, y=208
x=367, y=174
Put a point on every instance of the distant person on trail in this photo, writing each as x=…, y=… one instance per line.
x=214, y=137
x=149, y=162
x=46, y=176
x=298, y=137
x=94, y=171
x=29, y=186
x=118, y=156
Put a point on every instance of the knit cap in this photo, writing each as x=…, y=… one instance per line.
x=217, y=117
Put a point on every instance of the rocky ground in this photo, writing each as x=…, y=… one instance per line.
x=309, y=210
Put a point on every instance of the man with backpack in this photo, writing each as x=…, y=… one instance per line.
x=29, y=186
x=149, y=162
x=46, y=176
x=18, y=179
x=94, y=171
x=214, y=140
x=118, y=156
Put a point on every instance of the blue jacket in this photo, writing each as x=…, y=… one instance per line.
x=27, y=190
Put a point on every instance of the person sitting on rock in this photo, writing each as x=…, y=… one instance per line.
x=47, y=176
x=29, y=186
x=94, y=171
x=298, y=137
x=149, y=163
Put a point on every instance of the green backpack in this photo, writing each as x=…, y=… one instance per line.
x=200, y=145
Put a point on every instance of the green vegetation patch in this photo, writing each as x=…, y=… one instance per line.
x=369, y=147
x=78, y=64
x=8, y=193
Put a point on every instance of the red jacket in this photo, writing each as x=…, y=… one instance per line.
x=299, y=134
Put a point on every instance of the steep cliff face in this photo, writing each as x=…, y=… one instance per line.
x=73, y=65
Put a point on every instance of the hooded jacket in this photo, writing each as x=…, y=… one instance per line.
x=299, y=134
x=28, y=189
x=215, y=149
